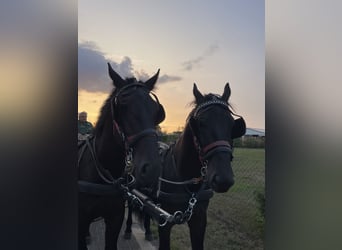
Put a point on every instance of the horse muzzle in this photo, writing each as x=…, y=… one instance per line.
x=221, y=184
x=147, y=174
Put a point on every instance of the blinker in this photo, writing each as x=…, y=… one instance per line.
x=239, y=128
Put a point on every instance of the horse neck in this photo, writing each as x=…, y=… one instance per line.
x=186, y=155
x=109, y=146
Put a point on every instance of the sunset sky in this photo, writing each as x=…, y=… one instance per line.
x=206, y=42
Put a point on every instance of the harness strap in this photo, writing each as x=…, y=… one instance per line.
x=195, y=180
x=83, y=145
x=104, y=173
x=98, y=189
x=191, y=181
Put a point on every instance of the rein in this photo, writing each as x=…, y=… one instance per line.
x=112, y=186
x=191, y=198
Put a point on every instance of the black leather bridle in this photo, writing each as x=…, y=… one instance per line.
x=129, y=141
x=214, y=147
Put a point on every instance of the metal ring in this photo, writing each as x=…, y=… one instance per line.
x=204, y=171
x=130, y=176
x=192, y=201
x=163, y=216
x=178, y=217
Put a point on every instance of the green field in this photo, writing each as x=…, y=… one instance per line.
x=234, y=218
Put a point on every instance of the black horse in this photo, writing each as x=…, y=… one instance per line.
x=124, y=143
x=198, y=162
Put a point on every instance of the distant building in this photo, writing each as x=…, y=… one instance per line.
x=254, y=138
x=255, y=132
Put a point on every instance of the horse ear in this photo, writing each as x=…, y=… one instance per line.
x=226, y=92
x=117, y=80
x=152, y=81
x=197, y=93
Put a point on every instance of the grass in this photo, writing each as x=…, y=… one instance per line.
x=234, y=218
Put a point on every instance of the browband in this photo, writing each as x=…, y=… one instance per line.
x=208, y=103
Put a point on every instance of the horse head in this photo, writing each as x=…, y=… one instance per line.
x=136, y=112
x=214, y=129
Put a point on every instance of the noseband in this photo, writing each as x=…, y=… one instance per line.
x=215, y=147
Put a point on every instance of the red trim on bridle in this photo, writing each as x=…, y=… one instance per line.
x=215, y=144
x=211, y=148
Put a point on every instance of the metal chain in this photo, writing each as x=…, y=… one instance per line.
x=180, y=217
x=129, y=161
x=188, y=212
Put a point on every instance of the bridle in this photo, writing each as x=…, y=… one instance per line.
x=205, y=152
x=130, y=141
x=203, y=193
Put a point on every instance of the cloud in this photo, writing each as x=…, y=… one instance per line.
x=143, y=76
x=93, y=72
x=92, y=68
x=166, y=78
x=189, y=65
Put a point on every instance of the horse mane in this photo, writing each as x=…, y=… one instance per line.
x=106, y=107
x=104, y=111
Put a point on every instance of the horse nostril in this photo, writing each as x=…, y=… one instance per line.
x=222, y=184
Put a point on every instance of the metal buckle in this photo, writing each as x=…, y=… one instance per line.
x=129, y=161
x=204, y=168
